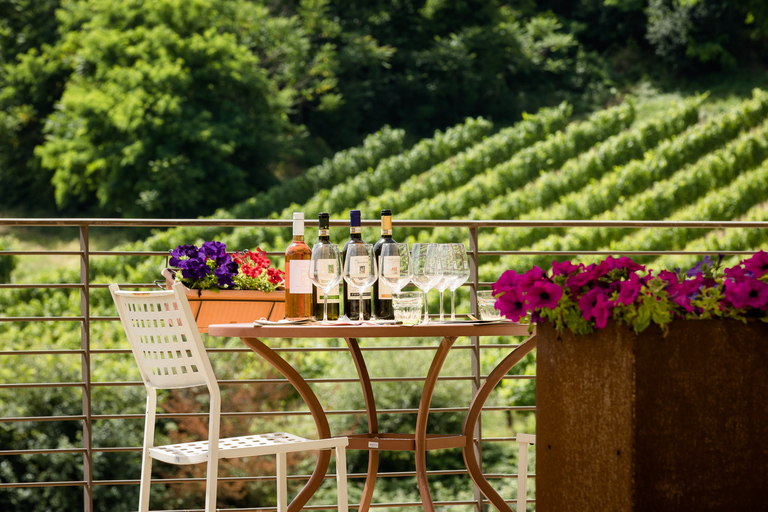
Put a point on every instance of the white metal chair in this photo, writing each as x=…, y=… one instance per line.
x=523, y=441
x=170, y=354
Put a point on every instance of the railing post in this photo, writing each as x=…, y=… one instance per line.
x=85, y=344
x=475, y=342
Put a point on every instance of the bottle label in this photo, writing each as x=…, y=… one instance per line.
x=390, y=267
x=359, y=266
x=356, y=296
x=299, y=278
x=326, y=272
x=355, y=229
x=325, y=232
x=333, y=295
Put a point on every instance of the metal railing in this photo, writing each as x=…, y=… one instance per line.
x=86, y=253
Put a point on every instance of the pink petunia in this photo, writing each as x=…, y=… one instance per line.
x=565, y=268
x=512, y=305
x=595, y=307
x=506, y=282
x=757, y=264
x=543, y=294
x=750, y=292
x=629, y=289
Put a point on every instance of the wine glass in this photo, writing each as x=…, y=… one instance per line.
x=325, y=270
x=395, y=266
x=461, y=273
x=447, y=272
x=426, y=271
x=360, y=270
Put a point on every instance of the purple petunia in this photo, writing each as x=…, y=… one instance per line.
x=564, y=269
x=181, y=253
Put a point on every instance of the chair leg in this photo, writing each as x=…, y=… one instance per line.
x=523, y=441
x=282, y=482
x=341, y=478
x=146, y=476
x=211, y=483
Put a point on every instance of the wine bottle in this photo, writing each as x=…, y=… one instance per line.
x=324, y=237
x=298, y=287
x=352, y=299
x=382, y=293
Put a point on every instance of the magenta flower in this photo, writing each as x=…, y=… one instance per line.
x=531, y=277
x=565, y=268
x=595, y=307
x=544, y=294
x=750, y=292
x=739, y=274
x=681, y=292
x=512, y=304
x=629, y=289
x=757, y=264
x=506, y=282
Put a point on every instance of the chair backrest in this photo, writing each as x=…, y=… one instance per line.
x=164, y=338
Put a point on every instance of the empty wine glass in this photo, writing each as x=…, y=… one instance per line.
x=360, y=270
x=395, y=266
x=325, y=271
x=426, y=270
x=460, y=274
x=446, y=260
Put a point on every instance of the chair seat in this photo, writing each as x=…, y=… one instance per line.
x=243, y=446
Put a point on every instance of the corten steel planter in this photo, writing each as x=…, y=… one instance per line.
x=631, y=422
x=232, y=306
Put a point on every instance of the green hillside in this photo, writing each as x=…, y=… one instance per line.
x=677, y=163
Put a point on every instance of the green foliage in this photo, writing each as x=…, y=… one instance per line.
x=613, y=188
x=460, y=168
x=524, y=166
x=580, y=170
x=167, y=108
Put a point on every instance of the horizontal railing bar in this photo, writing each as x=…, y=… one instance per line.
x=171, y=223
x=608, y=253
x=23, y=385
x=40, y=352
x=42, y=451
x=42, y=286
x=21, y=419
x=71, y=483
x=41, y=318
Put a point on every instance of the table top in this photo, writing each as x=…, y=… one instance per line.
x=316, y=330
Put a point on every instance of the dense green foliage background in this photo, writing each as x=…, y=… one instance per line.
x=175, y=108
x=438, y=109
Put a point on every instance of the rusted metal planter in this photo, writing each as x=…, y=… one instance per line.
x=646, y=423
x=232, y=306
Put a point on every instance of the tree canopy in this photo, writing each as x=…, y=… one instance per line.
x=177, y=107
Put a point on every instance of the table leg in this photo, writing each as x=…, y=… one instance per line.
x=471, y=459
x=423, y=417
x=321, y=421
x=373, y=422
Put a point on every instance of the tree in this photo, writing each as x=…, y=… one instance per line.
x=171, y=108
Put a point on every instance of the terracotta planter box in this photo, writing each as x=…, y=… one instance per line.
x=233, y=306
x=645, y=423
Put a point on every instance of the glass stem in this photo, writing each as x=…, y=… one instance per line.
x=426, y=310
x=360, y=314
x=325, y=307
x=453, y=304
x=442, y=315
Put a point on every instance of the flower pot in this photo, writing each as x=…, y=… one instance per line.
x=631, y=422
x=232, y=306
